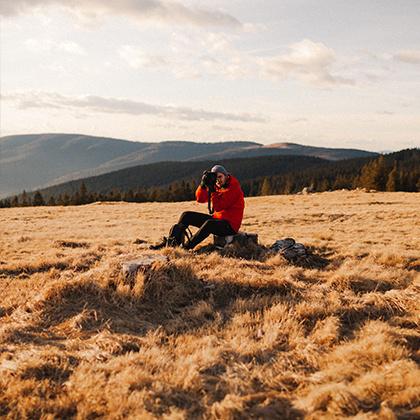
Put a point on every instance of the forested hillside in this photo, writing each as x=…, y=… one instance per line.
x=36, y=161
x=399, y=171
x=155, y=181
x=177, y=181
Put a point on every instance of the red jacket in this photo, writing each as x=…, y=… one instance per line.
x=228, y=202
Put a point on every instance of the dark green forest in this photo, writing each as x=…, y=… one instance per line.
x=177, y=181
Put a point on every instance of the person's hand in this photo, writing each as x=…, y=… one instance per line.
x=208, y=181
x=203, y=180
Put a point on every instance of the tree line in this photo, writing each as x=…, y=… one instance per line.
x=177, y=191
x=398, y=171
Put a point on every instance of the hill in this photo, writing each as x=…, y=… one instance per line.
x=207, y=336
x=29, y=162
x=266, y=175
x=292, y=149
x=162, y=174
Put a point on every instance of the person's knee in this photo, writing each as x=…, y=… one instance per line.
x=208, y=225
x=184, y=216
x=219, y=227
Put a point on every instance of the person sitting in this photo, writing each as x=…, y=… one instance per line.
x=226, y=204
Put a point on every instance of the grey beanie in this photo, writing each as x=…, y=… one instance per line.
x=220, y=169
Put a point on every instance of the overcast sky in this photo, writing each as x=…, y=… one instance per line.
x=318, y=72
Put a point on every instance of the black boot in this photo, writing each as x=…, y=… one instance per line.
x=189, y=244
x=162, y=244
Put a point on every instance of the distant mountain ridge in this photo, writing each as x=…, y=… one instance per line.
x=291, y=149
x=28, y=162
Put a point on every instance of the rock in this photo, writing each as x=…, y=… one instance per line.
x=142, y=264
x=307, y=190
x=241, y=238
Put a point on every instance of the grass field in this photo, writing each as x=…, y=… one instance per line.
x=205, y=335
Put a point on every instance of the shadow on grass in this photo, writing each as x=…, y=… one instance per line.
x=85, y=263
x=314, y=258
x=170, y=296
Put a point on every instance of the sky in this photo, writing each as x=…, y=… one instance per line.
x=329, y=73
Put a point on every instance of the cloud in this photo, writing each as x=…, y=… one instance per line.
x=298, y=120
x=48, y=100
x=71, y=48
x=163, y=11
x=308, y=61
x=209, y=54
x=191, y=56
x=215, y=54
x=46, y=45
x=254, y=27
x=137, y=58
x=408, y=56
x=226, y=128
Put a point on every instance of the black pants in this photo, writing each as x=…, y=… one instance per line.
x=207, y=226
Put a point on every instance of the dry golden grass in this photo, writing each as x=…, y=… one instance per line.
x=206, y=335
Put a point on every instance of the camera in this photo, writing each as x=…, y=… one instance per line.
x=209, y=180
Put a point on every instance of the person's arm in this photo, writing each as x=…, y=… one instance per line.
x=222, y=200
x=201, y=194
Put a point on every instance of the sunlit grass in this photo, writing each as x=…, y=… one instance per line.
x=205, y=335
